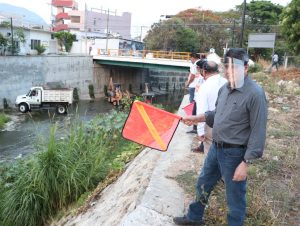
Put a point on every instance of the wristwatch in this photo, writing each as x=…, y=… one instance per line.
x=247, y=161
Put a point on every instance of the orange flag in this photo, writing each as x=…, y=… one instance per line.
x=188, y=109
x=150, y=126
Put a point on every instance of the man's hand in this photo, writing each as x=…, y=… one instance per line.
x=193, y=120
x=240, y=173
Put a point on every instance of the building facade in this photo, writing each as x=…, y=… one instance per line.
x=69, y=17
x=32, y=38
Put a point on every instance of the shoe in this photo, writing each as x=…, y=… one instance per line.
x=197, y=150
x=185, y=221
x=192, y=131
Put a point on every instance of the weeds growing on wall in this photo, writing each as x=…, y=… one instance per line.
x=3, y=119
x=34, y=189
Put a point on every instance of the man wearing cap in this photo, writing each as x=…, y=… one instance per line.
x=239, y=133
x=206, y=98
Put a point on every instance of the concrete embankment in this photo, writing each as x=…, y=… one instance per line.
x=146, y=193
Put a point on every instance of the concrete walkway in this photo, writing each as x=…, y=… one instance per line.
x=146, y=194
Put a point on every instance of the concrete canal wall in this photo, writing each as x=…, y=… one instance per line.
x=19, y=73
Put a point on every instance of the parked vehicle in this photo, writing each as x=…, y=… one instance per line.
x=45, y=98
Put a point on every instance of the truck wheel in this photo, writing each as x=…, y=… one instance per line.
x=61, y=109
x=23, y=108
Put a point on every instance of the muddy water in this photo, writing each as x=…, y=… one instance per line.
x=19, y=136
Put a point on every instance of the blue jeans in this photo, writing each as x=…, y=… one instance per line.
x=192, y=94
x=221, y=163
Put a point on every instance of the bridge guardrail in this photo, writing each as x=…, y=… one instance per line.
x=148, y=54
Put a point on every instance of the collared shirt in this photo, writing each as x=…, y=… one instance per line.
x=206, y=97
x=241, y=118
x=199, y=81
x=193, y=71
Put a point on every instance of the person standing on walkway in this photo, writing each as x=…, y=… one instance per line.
x=193, y=79
x=191, y=83
x=275, y=60
x=239, y=133
x=206, y=99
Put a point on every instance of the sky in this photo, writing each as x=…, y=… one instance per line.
x=144, y=13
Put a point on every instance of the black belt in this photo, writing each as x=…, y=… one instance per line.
x=227, y=145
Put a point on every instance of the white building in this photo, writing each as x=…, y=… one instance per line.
x=33, y=37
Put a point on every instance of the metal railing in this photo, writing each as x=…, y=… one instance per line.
x=148, y=54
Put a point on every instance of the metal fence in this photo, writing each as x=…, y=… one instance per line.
x=292, y=61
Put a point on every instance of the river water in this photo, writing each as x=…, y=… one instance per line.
x=19, y=136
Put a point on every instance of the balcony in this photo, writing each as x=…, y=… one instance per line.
x=63, y=3
x=60, y=27
x=62, y=16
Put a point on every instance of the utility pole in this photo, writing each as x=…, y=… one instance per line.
x=85, y=27
x=233, y=30
x=107, y=22
x=243, y=25
x=12, y=37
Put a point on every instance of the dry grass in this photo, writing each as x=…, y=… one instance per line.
x=274, y=185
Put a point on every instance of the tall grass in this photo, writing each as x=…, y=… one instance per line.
x=3, y=119
x=63, y=169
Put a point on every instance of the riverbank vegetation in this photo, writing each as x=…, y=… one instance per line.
x=34, y=189
x=3, y=119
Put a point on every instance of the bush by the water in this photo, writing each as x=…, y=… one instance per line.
x=34, y=189
x=3, y=119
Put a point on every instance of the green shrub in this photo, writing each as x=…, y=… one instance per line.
x=105, y=90
x=40, y=49
x=255, y=68
x=75, y=95
x=91, y=91
x=3, y=119
x=5, y=103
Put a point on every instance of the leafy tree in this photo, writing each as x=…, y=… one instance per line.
x=19, y=36
x=3, y=40
x=189, y=30
x=65, y=39
x=263, y=13
x=163, y=34
x=261, y=17
x=5, y=24
x=290, y=22
x=186, y=40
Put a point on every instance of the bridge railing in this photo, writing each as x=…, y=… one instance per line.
x=148, y=54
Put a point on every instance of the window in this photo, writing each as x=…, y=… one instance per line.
x=75, y=19
x=35, y=43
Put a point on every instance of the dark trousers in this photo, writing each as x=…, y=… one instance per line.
x=275, y=64
x=221, y=163
x=194, y=112
x=192, y=94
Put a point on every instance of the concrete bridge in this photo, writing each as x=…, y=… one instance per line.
x=159, y=60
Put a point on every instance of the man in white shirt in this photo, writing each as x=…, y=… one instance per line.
x=193, y=79
x=191, y=82
x=275, y=61
x=206, y=98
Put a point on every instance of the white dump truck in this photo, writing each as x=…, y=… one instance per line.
x=45, y=98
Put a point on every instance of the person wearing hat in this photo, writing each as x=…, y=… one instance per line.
x=239, y=133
